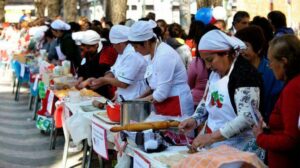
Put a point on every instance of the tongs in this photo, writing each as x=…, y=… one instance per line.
x=110, y=103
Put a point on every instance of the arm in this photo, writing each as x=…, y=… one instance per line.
x=200, y=114
x=109, y=74
x=101, y=81
x=146, y=93
x=243, y=97
x=115, y=82
x=165, y=76
x=288, y=108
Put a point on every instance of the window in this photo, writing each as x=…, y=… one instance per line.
x=149, y=7
x=133, y=7
x=175, y=8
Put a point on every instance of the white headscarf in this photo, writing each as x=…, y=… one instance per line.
x=60, y=25
x=89, y=37
x=118, y=34
x=218, y=41
x=142, y=30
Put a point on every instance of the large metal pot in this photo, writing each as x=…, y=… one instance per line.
x=134, y=110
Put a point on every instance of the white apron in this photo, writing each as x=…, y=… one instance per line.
x=221, y=111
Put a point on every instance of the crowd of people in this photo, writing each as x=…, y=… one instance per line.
x=241, y=87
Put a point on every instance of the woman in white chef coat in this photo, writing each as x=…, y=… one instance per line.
x=165, y=74
x=127, y=74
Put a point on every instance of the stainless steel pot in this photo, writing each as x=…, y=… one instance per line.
x=134, y=110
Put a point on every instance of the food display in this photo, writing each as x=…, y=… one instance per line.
x=98, y=104
x=83, y=93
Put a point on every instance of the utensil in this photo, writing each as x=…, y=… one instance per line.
x=134, y=111
x=122, y=98
x=189, y=146
x=110, y=103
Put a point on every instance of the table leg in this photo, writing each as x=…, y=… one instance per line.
x=67, y=142
x=85, y=150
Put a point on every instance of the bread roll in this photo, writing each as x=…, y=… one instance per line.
x=146, y=125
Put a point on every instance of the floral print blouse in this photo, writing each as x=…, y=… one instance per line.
x=244, y=97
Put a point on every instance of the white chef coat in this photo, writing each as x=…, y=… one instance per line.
x=130, y=68
x=167, y=76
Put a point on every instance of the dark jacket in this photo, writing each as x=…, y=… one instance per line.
x=92, y=68
x=282, y=31
x=244, y=75
x=70, y=49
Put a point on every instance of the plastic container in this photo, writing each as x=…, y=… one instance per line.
x=114, y=113
x=74, y=96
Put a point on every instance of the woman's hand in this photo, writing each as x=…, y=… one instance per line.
x=202, y=140
x=258, y=129
x=187, y=125
x=78, y=83
x=96, y=83
x=147, y=98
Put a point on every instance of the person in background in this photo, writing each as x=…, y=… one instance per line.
x=109, y=54
x=266, y=26
x=96, y=23
x=278, y=22
x=108, y=25
x=66, y=49
x=282, y=140
x=175, y=41
x=84, y=23
x=221, y=24
x=91, y=47
x=168, y=88
x=75, y=27
x=240, y=21
x=127, y=74
x=195, y=32
x=22, y=18
x=197, y=79
x=233, y=91
x=151, y=16
x=253, y=37
x=162, y=24
x=51, y=43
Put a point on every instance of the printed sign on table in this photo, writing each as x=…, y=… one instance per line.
x=139, y=161
x=99, y=140
x=36, y=80
x=22, y=73
x=50, y=101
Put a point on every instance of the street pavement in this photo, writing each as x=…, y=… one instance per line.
x=22, y=145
